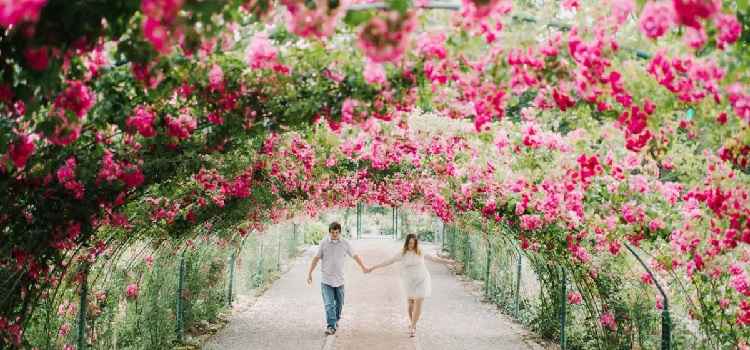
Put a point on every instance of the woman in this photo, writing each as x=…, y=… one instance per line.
x=415, y=278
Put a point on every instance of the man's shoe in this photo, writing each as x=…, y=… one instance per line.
x=330, y=331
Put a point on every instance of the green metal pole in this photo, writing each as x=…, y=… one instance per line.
x=454, y=232
x=359, y=219
x=666, y=321
x=398, y=231
x=180, y=286
x=393, y=222
x=278, y=255
x=518, y=283
x=563, y=302
x=294, y=232
x=82, y=308
x=442, y=233
x=231, y=276
x=259, y=265
x=467, y=255
x=487, y=269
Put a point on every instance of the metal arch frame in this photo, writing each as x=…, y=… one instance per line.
x=437, y=5
x=456, y=6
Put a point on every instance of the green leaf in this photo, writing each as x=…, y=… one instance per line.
x=742, y=5
x=399, y=5
x=355, y=18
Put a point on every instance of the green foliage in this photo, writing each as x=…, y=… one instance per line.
x=314, y=232
x=632, y=303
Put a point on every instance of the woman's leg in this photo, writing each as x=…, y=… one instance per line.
x=410, y=310
x=417, y=312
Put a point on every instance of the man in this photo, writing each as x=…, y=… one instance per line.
x=333, y=251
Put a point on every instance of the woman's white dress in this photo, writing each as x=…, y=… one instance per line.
x=415, y=279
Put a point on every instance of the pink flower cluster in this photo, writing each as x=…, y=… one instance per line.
x=111, y=170
x=689, y=12
x=65, y=238
x=261, y=54
x=729, y=30
x=607, y=319
x=562, y=99
x=215, y=118
x=432, y=45
x=478, y=10
x=13, y=12
x=739, y=98
x=77, y=99
x=270, y=143
x=656, y=18
x=739, y=280
x=525, y=68
x=180, y=127
x=588, y=167
x=743, y=316
x=635, y=123
x=216, y=78
x=384, y=37
x=12, y=330
x=159, y=19
x=621, y=9
x=37, y=58
x=67, y=177
x=530, y=222
x=240, y=187
x=691, y=80
x=695, y=38
x=132, y=291
x=574, y=298
x=318, y=21
x=348, y=110
x=21, y=150
x=374, y=73
x=142, y=120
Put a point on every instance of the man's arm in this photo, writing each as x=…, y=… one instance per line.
x=313, y=264
x=361, y=264
x=384, y=264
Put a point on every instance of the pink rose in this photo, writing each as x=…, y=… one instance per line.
x=574, y=298
x=21, y=150
x=132, y=291
x=142, y=120
x=656, y=18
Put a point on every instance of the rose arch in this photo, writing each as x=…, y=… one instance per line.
x=590, y=135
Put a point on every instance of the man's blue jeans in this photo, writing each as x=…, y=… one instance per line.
x=333, y=299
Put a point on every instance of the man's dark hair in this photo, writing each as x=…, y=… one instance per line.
x=334, y=226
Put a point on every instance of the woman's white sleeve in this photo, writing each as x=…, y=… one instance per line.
x=395, y=258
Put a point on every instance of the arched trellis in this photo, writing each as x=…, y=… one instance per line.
x=165, y=178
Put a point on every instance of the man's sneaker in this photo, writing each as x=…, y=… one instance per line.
x=330, y=331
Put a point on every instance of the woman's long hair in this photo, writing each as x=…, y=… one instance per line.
x=416, y=244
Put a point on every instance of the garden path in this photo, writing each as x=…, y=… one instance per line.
x=289, y=316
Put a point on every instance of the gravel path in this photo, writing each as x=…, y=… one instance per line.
x=290, y=314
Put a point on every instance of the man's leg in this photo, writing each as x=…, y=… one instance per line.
x=329, y=300
x=339, y=302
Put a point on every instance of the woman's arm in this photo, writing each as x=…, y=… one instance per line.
x=437, y=259
x=383, y=264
